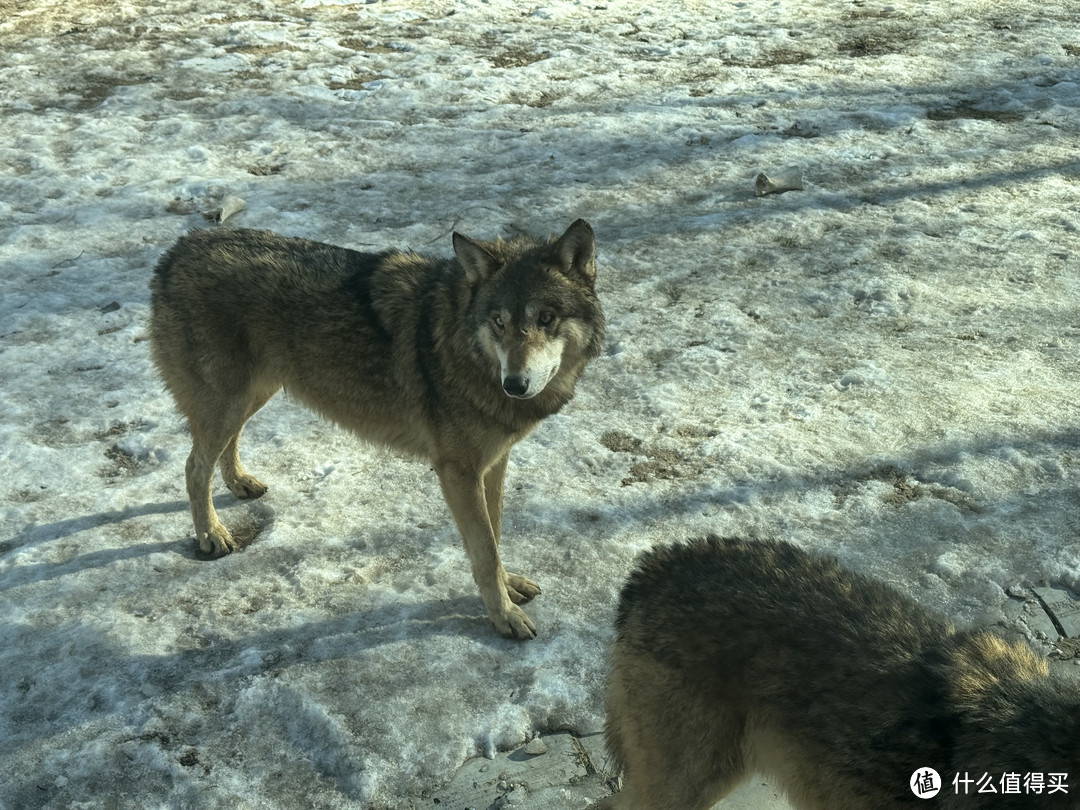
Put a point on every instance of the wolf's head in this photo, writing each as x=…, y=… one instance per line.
x=534, y=306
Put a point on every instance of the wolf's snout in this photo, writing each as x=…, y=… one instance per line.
x=516, y=386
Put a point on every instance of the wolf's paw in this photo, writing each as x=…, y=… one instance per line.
x=521, y=590
x=247, y=486
x=514, y=623
x=216, y=541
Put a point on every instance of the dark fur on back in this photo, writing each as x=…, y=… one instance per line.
x=733, y=657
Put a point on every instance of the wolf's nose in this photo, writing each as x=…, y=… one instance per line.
x=516, y=386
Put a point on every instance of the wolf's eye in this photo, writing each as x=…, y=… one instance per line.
x=497, y=319
x=546, y=318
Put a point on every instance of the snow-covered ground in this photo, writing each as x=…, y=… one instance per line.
x=882, y=365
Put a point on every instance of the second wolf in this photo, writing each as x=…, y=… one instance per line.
x=451, y=360
x=736, y=657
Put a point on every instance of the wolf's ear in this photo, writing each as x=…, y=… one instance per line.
x=577, y=251
x=475, y=260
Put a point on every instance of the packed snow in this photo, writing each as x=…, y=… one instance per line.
x=882, y=365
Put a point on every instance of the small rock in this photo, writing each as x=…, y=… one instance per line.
x=789, y=179
x=535, y=747
x=802, y=129
x=229, y=206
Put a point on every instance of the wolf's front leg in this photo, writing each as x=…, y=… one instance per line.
x=463, y=488
x=521, y=589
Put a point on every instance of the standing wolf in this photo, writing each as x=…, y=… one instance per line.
x=450, y=360
x=734, y=657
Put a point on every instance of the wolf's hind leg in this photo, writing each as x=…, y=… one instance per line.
x=520, y=589
x=240, y=482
